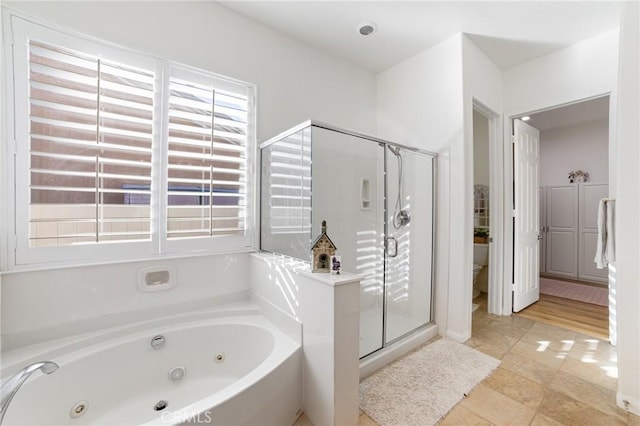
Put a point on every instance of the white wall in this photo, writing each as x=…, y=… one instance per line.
x=581, y=71
x=480, y=149
x=420, y=104
x=580, y=147
x=482, y=90
x=628, y=205
x=295, y=82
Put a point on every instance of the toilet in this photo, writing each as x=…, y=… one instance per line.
x=480, y=260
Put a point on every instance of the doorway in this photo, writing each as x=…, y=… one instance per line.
x=573, y=177
x=481, y=211
x=487, y=211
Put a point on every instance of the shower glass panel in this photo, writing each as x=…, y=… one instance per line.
x=285, y=223
x=410, y=241
x=348, y=192
x=377, y=200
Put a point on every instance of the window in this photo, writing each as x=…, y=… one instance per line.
x=119, y=154
x=207, y=167
x=90, y=146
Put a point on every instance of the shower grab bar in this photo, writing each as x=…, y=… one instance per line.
x=395, y=247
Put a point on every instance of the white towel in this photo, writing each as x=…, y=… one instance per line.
x=605, y=248
x=601, y=245
x=610, y=249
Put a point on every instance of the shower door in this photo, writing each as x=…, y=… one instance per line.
x=377, y=202
x=409, y=242
x=348, y=192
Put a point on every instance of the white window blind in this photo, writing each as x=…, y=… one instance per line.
x=120, y=155
x=207, y=161
x=90, y=148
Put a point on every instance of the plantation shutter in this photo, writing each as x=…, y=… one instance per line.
x=119, y=155
x=90, y=144
x=207, y=159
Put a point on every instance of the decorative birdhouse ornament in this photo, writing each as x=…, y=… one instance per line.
x=321, y=251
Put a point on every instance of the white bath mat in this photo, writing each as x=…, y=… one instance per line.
x=423, y=387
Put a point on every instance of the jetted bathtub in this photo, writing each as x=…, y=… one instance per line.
x=209, y=367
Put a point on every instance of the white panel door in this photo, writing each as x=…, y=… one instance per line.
x=526, y=286
x=542, y=196
x=562, y=230
x=590, y=195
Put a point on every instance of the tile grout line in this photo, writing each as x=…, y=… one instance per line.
x=547, y=388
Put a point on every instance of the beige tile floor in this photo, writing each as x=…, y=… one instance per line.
x=548, y=376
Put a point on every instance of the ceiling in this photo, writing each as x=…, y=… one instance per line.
x=509, y=32
x=571, y=115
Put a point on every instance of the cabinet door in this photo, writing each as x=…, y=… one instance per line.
x=590, y=195
x=562, y=238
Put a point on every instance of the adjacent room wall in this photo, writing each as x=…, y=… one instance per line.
x=295, y=82
x=581, y=147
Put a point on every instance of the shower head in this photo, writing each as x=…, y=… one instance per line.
x=394, y=149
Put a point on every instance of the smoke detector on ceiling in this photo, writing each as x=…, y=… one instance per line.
x=367, y=28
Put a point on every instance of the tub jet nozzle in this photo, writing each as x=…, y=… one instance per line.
x=161, y=405
x=177, y=373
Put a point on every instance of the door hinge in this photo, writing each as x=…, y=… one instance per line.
x=14, y=243
x=513, y=139
x=513, y=213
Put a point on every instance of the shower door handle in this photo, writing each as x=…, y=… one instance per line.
x=395, y=247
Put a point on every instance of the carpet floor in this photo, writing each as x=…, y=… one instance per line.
x=422, y=387
x=574, y=291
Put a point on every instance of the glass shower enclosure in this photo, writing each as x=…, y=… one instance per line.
x=377, y=199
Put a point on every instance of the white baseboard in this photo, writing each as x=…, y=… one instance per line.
x=458, y=337
x=629, y=404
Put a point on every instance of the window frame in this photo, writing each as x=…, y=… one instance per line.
x=217, y=243
x=15, y=156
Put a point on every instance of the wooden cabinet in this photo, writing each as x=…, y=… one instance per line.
x=569, y=229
